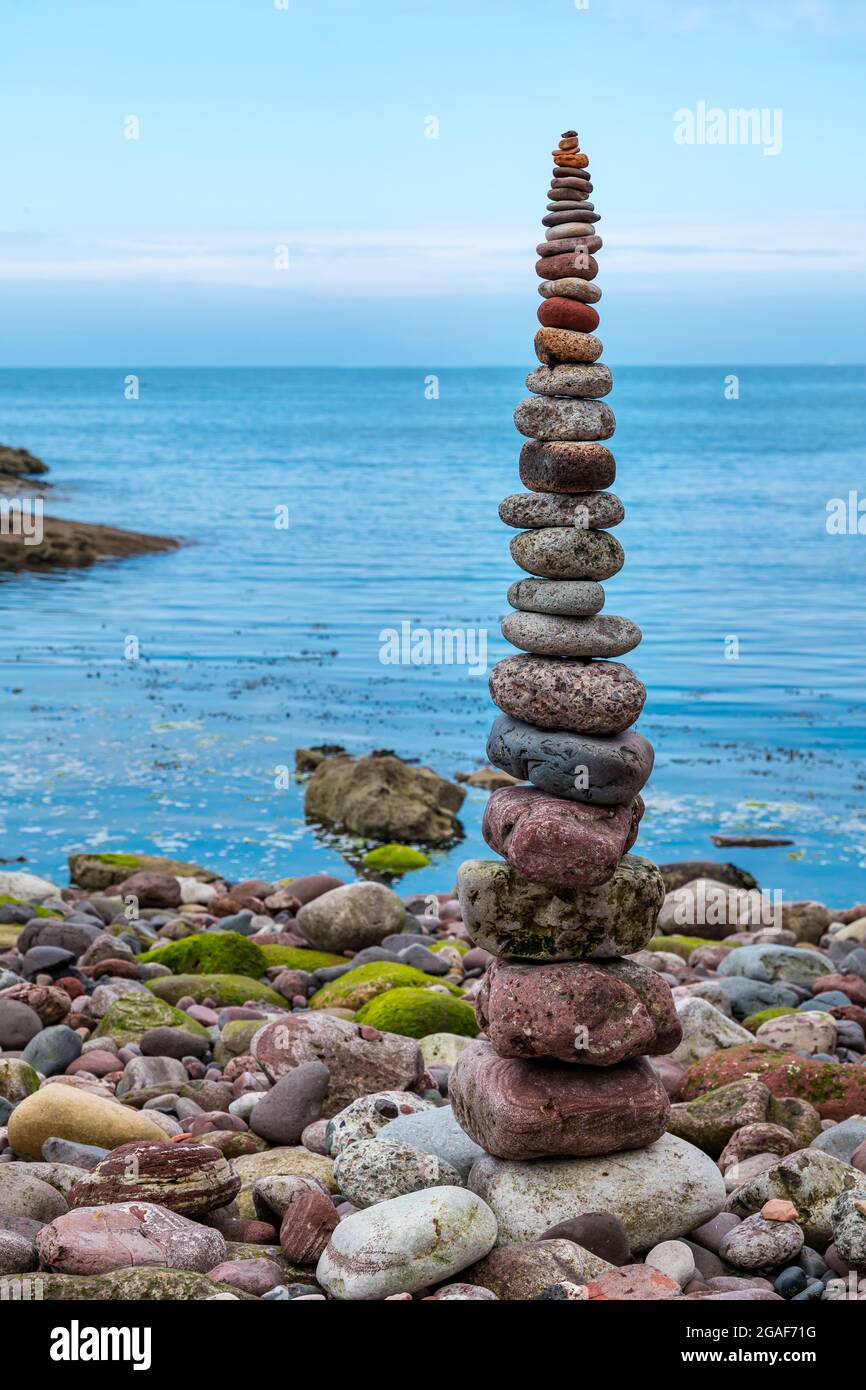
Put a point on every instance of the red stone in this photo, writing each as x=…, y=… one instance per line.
x=559, y=312
x=590, y=1013
x=563, y=844
x=852, y=985
x=519, y=1109
x=632, y=1282
x=571, y=266
x=836, y=1089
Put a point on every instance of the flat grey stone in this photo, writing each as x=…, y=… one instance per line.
x=586, y=510
x=573, y=598
x=616, y=766
x=604, y=636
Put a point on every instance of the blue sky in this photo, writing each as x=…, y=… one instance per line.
x=304, y=128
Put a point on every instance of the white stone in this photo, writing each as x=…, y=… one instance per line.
x=659, y=1193
x=673, y=1258
x=15, y=884
x=443, y=1049
x=805, y=1031
x=705, y=1030
x=192, y=890
x=406, y=1243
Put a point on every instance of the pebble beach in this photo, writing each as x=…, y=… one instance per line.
x=268, y=1091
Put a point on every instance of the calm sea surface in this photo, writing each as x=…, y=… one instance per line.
x=256, y=639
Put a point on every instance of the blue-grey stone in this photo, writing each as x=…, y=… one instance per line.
x=752, y=996
x=616, y=766
x=52, y=1050
x=422, y=958
x=770, y=963
x=78, y=1155
x=823, y=1003
x=436, y=1132
x=843, y=1139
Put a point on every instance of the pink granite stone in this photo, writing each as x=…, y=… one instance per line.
x=564, y=844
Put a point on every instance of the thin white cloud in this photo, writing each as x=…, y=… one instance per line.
x=396, y=264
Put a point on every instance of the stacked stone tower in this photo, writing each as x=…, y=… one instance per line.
x=569, y=1023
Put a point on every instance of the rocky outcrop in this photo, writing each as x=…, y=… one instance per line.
x=75, y=544
x=383, y=798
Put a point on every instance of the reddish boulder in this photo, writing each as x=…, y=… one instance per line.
x=563, y=844
x=186, y=1178
x=631, y=1282
x=558, y=312
x=518, y=1109
x=852, y=985
x=594, y=1014
x=836, y=1089
x=575, y=266
x=94, y=1240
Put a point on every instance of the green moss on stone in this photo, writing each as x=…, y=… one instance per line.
x=416, y=1012
x=299, y=958
x=6, y=901
x=225, y=989
x=210, y=953
x=451, y=941
x=132, y=1014
x=357, y=987
x=679, y=945
x=395, y=859
x=123, y=861
x=754, y=1021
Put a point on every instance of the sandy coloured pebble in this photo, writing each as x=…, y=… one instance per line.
x=570, y=288
x=555, y=345
x=567, y=552
x=569, y=379
x=575, y=598
x=563, y=419
x=595, y=511
x=603, y=636
x=575, y=229
x=591, y=697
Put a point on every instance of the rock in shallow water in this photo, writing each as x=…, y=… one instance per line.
x=406, y=1243
x=511, y=917
x=602, y=771
x=593, y=1014
x=544, y=635
x=659, y=1193
x=563, y=844
x=588, y=697
x=520, y=1109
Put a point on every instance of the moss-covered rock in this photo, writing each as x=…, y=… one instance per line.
x=235, y=1039
x=299, y=958
x=97, y=871
x=210, y=953
x=679, y=945
x=132, y=1014
x=395, y=859
x=9, y=934
x=754, y=1021
x=225, y=989
x=836, y=1089
x=452, y=942
x=17, y=1079
x=357, y=987
x=123, y=1285
x=416, y=1012
x=32, y=908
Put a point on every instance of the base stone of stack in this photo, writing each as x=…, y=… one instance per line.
x=586, y=1013
x=562, y=844
x=659, y=1193
x=509, y=916
x=616, y=767
x=520, y=1109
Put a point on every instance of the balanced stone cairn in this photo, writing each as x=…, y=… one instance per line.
x=568, y=1022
